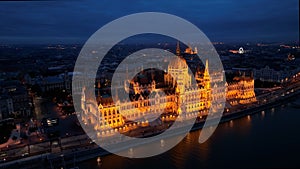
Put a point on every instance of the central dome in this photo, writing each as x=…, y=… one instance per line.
x=178, y=63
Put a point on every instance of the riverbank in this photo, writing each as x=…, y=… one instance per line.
x=267, y=139
x=92, y=152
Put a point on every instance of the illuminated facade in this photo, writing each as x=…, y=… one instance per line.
x=241, y=91
x=189, y=50
x=240, y=51
x=193, y=99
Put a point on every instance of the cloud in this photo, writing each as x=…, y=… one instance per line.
x=255, y=20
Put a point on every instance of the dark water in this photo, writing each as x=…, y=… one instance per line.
x=263, y=140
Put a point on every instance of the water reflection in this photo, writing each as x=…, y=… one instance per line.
x=248, y=142
x=248, y=118
x=231, y=123
x=263, y=114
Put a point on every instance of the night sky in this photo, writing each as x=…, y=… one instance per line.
x=73, y=21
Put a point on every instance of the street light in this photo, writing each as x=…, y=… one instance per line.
x=98, y=160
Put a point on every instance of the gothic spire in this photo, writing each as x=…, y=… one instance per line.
x=206, y=72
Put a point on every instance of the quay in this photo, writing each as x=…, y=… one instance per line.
x=69, y=156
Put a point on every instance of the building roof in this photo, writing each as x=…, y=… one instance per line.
x=53, y=79
x=178, y=63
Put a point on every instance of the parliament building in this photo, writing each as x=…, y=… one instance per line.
x=180, y=95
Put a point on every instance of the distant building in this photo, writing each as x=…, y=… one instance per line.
x=14, y=100
x=6, y=106
x=51, y=83
x=271, y=75
x=240, y=51
x=240, y=91
x=189, y=50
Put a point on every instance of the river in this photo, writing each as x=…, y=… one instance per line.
x=268, y=139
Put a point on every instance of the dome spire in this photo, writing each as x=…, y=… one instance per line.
x=178, y=49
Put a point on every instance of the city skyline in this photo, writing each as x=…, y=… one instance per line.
x=149, y=84
x=50, y=124
x=76, y=21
